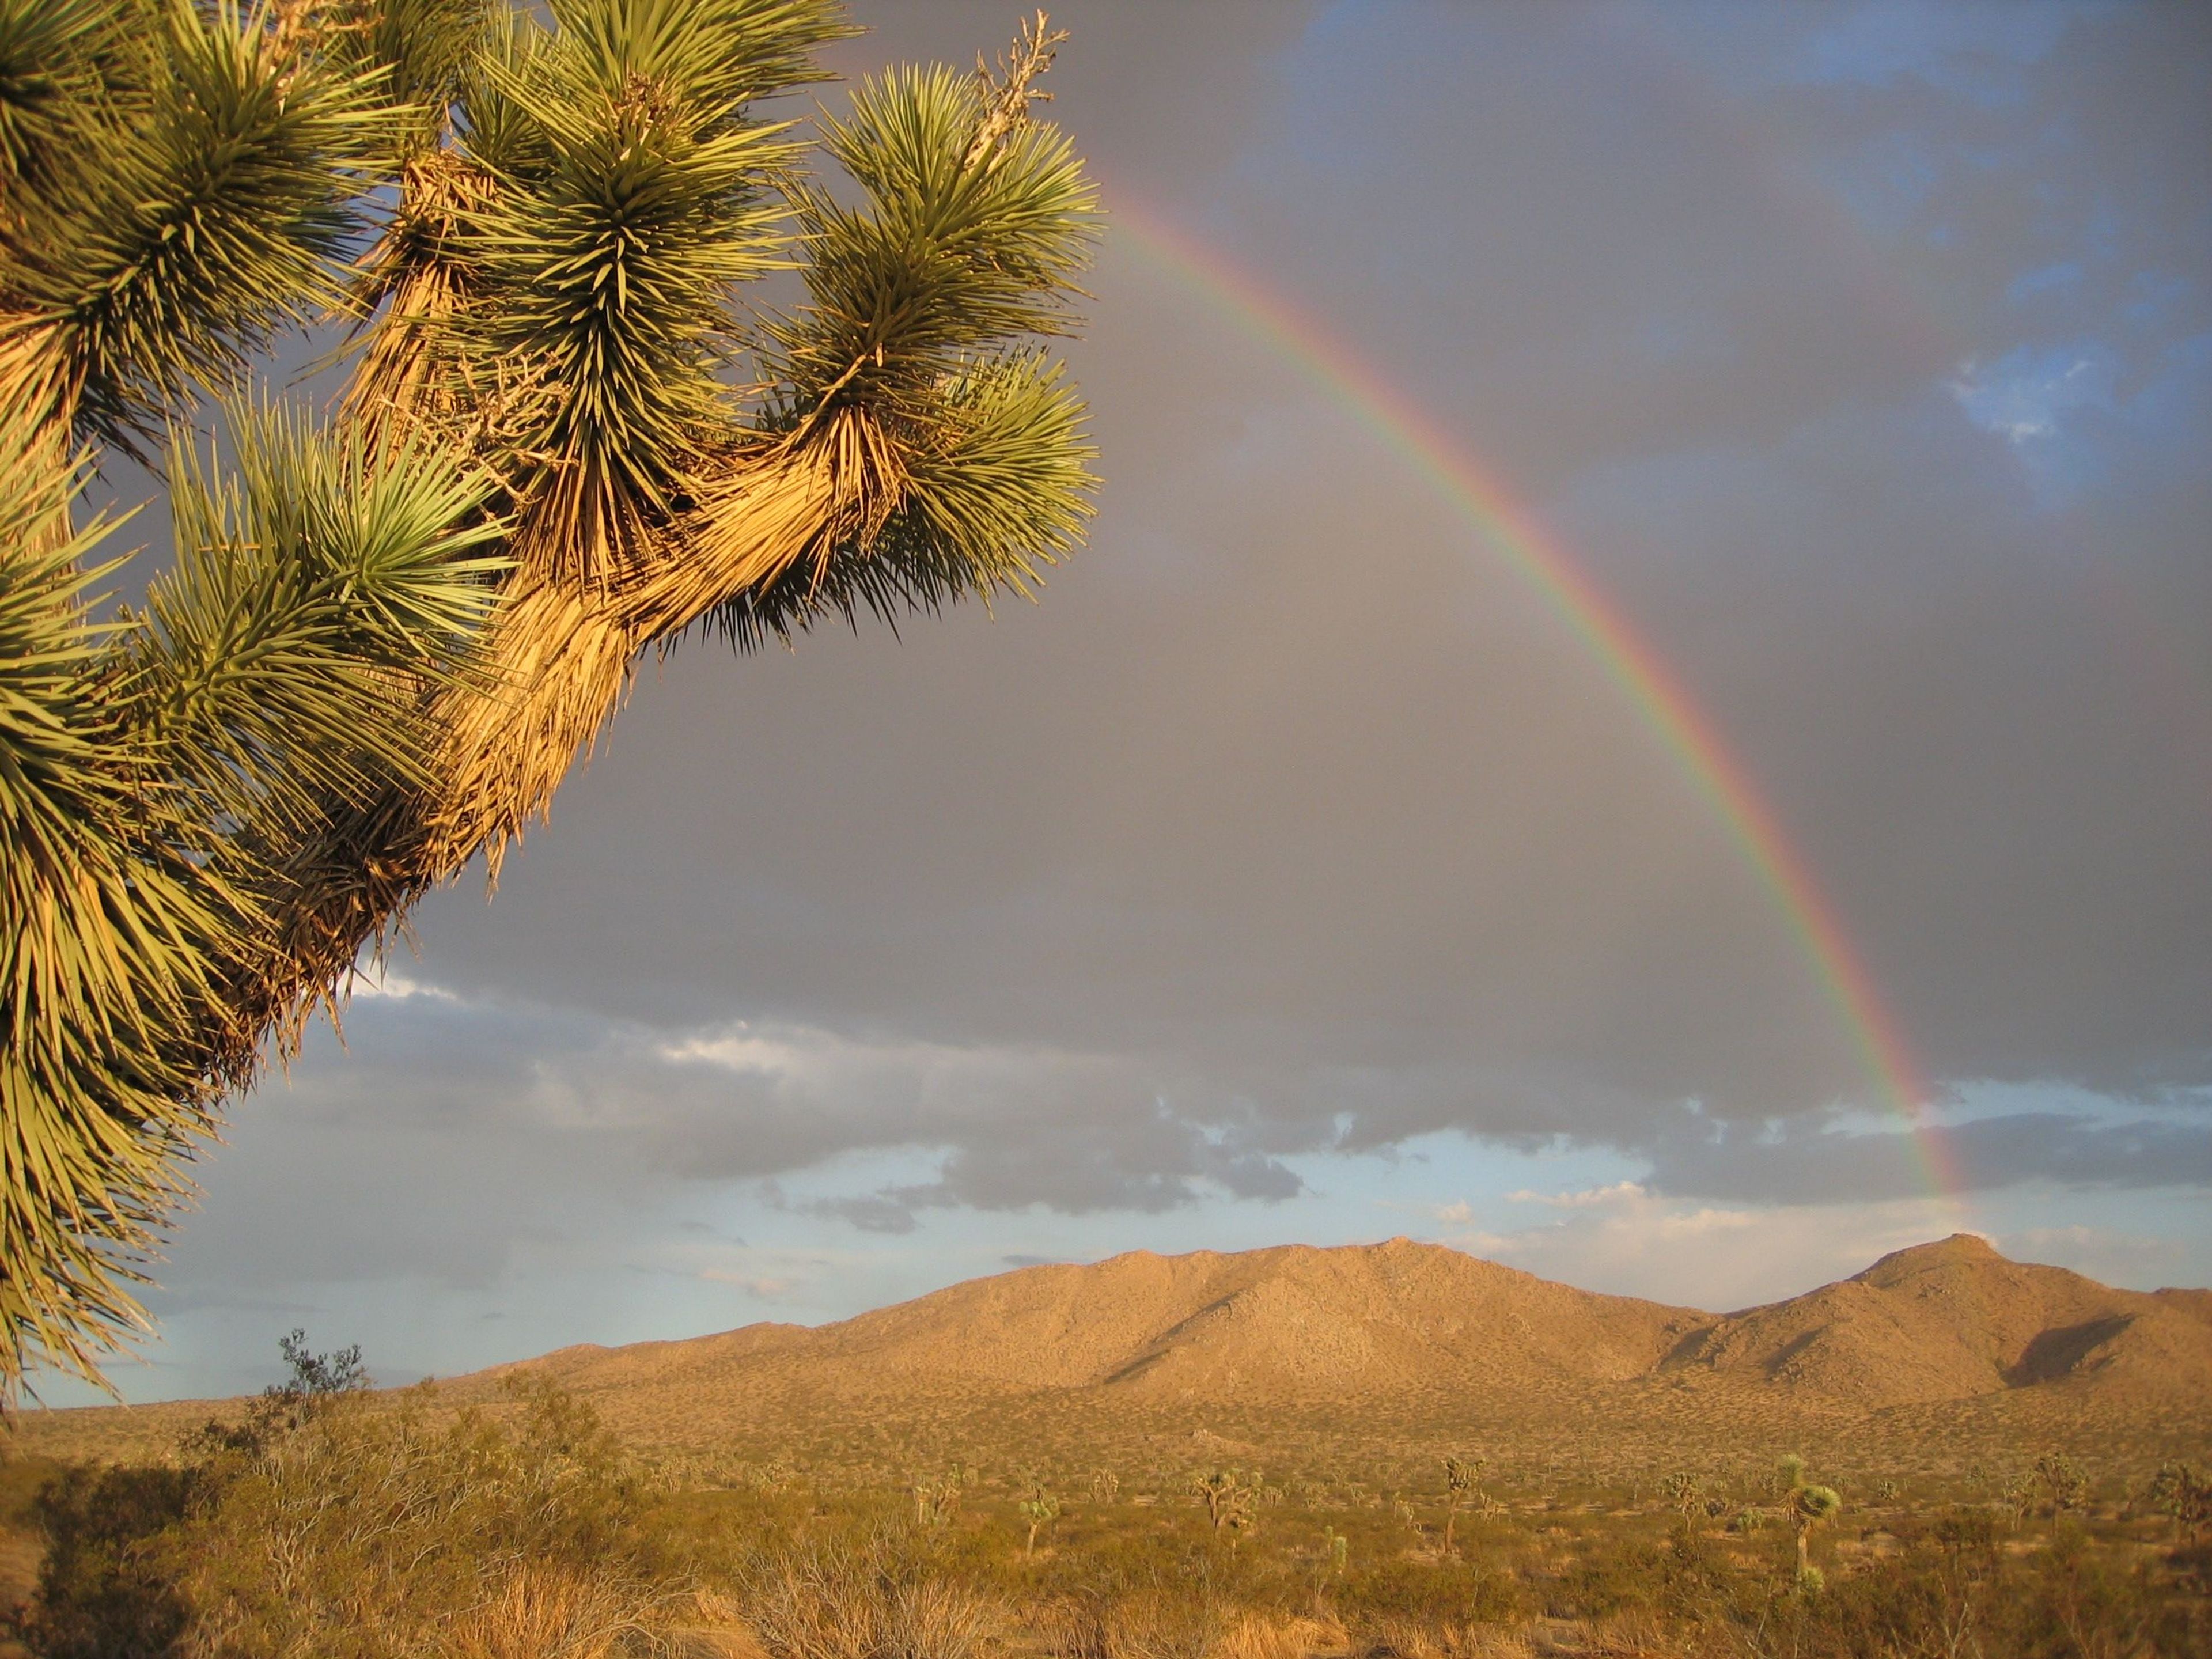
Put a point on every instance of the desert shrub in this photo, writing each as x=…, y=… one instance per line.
x=1955, y=1591
x=1158, y=1622
x=2180, y=1494
x=877, y=1599
x=326, y=1525
x=1451, y=1592
x=105, y=1588
x=334, y=1525
x=367, y=1529
x=551, y=1612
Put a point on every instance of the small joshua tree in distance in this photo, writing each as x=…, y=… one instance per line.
x=1230, y=1499
x=1039, y=1508
x=935, y=1502
x=2062, y=1478
x=1213, y=1488
x=2182, y=1495
x=1808, y=1506
x=1681, y=1489
x=1460, y=1475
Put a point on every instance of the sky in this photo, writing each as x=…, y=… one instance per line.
x=1293, y=871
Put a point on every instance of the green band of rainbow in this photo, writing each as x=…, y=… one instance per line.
x=1592, y=617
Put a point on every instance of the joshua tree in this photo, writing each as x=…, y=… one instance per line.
x=1682, y=1491
x=1808, y=1506
x=1460, y=1475
x=1788, y=1473
x=2062, y=1477
x=1040, y=1508
x=935, y=1502
x=1105, y=1486
x=2179, y=1492
x=1328, y=1561
x=2017, y=1496
x=563, y=442
x=1230, y=1500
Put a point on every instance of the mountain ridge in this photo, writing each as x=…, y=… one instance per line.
x=1367, y=1351
x=1948, y=1320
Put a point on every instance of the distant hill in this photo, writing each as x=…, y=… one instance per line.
x=1939, y=1322
x=1290, y=1322
x=1955, y=1319
x=1389, y=1345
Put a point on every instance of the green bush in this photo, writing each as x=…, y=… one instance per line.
x=333, y=1523
x=108, y=1588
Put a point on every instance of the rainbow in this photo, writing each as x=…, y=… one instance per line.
x=1652, y=688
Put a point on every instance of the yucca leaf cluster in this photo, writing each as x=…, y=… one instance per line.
x=565, y=439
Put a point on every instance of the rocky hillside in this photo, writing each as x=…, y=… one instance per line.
x=1377, y=1347
x=1955, y=1319
x=1947, y=1321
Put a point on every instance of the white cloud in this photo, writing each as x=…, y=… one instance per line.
x=1589, y=1197
x=2102, y=1253
x=391, y=984
x=1699, y=1222
x=1630, y=1242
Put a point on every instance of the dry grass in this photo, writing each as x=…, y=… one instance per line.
x=1166, y=1624
x=1393, y=1637
x=836, y=1601
x=1273, y=1636
x=553, y=1612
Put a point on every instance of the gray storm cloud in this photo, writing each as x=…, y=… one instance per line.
x=1288, y=775
x=1866, y=364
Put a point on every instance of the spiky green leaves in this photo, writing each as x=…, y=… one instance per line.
x=949, y=256
x=712, y=56
x=1813, y=1506
x=49, y=57
x=966, y=245
x=280, y=663
x=156, y=779
x=997, y=481
x=630, y=203
x=107, y=941
x=416, y=50
x=194, y=216
x=382, y=646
